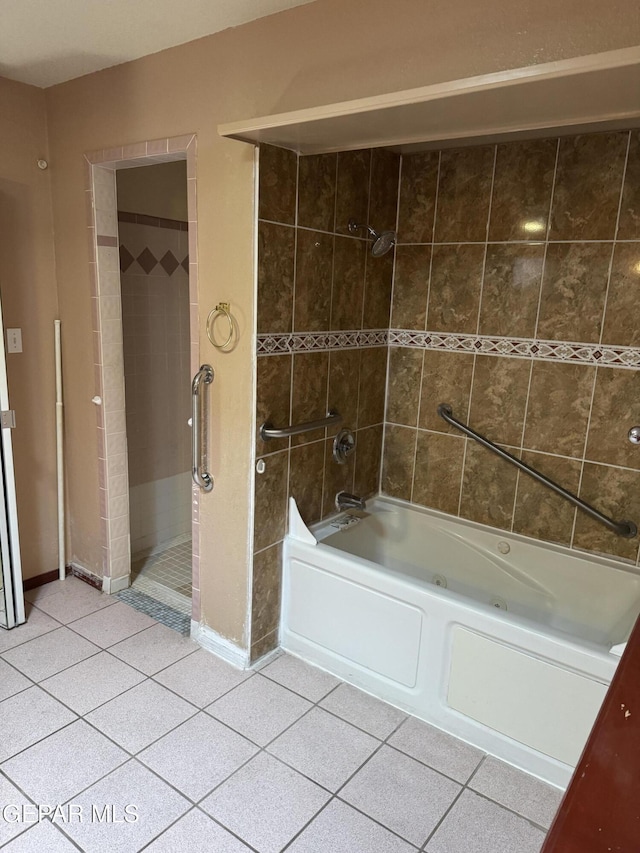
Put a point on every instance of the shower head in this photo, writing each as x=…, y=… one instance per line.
x=383, y=244
x=383, y=241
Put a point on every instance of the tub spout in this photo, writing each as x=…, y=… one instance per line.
x=344, y=500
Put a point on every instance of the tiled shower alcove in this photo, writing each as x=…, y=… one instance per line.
x=510, y=295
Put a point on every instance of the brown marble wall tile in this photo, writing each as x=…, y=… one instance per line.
x=383, y=194
x=348, y=283
x=306, y=475
x=539, y=512
x=314, y=269
x=438, y=472
x=622, y=314
x=273, y=399
x=499, y=398
x=418, y=186
x=616, y=408
x=522, y=189
x=574, y=287
x=277, y=184
x=511, y=290
x=488, y=488
x=398, y=461
x=615, y=492
x=352, y=199
x=588, y=185
x=344, y=382
x=404, y=381
x=271, y=501
x=373, y=379
x=263, y=646
x=410, y=287
x=337, y=478
x=629, y=226
x=454, y=291
x=309, y=392
x=558, y=410
x=378, y=281
x=446, y=378
x=464, y=193
x=275, y=277
x=267, y=586
x=366, y=480
x=317, y=191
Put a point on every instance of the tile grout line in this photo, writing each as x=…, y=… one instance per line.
x=615, y=235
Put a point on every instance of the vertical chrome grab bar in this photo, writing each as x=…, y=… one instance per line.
x=200, y=477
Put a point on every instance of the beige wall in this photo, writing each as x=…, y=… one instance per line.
x=159, y=191
x=29, y=301
x=326, y=51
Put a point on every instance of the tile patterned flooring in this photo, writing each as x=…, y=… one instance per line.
x=165, y=576
x=102, y=706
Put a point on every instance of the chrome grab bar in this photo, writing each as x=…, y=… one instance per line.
x=626, y=529
x=269, y=432
x=200, y=477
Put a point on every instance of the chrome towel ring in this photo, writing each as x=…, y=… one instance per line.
x=224, y=309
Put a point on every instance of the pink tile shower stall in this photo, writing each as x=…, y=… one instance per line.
x=475, y=630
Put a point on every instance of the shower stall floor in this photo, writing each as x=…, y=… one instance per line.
x=165, y=575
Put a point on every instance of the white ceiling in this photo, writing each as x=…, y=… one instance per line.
x=44, y=42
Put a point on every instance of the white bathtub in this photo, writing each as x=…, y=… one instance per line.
x=493, y=637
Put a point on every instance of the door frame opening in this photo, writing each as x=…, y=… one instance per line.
x=109, y=399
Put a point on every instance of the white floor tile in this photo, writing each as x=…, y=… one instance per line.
x=436, y=748
x=402, y=794
x=324, y=748
x=198, y=755
x=28, y=717
x=11, y=681
x=201, y=678
x=476, y=825
x=63, y=764
x=517, y=791
x=341, y=829
x=301, y=677
x=76, y=599
x=266, y=784
x=154, y=649
x=141, y=715
x=12, y=802
x=43, y=837
x=40, y=592
x=112, y=624
x=92, y=682
x=157, y=806
x=196, y=833
x=259, y=709
x=46, y=655
x=37, y=624
x=364, y=711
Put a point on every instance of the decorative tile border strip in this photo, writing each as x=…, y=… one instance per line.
x=576, y=353
x=320, y=341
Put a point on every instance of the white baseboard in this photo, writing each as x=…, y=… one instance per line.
x=220, y=646
x=113, y=585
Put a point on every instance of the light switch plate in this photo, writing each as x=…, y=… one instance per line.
x=14, y=340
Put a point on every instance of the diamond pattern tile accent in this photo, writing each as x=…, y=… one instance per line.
x=169, y=263
x=146, y=260
x=577, y=353
x=185, y=263
x=126, y=259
